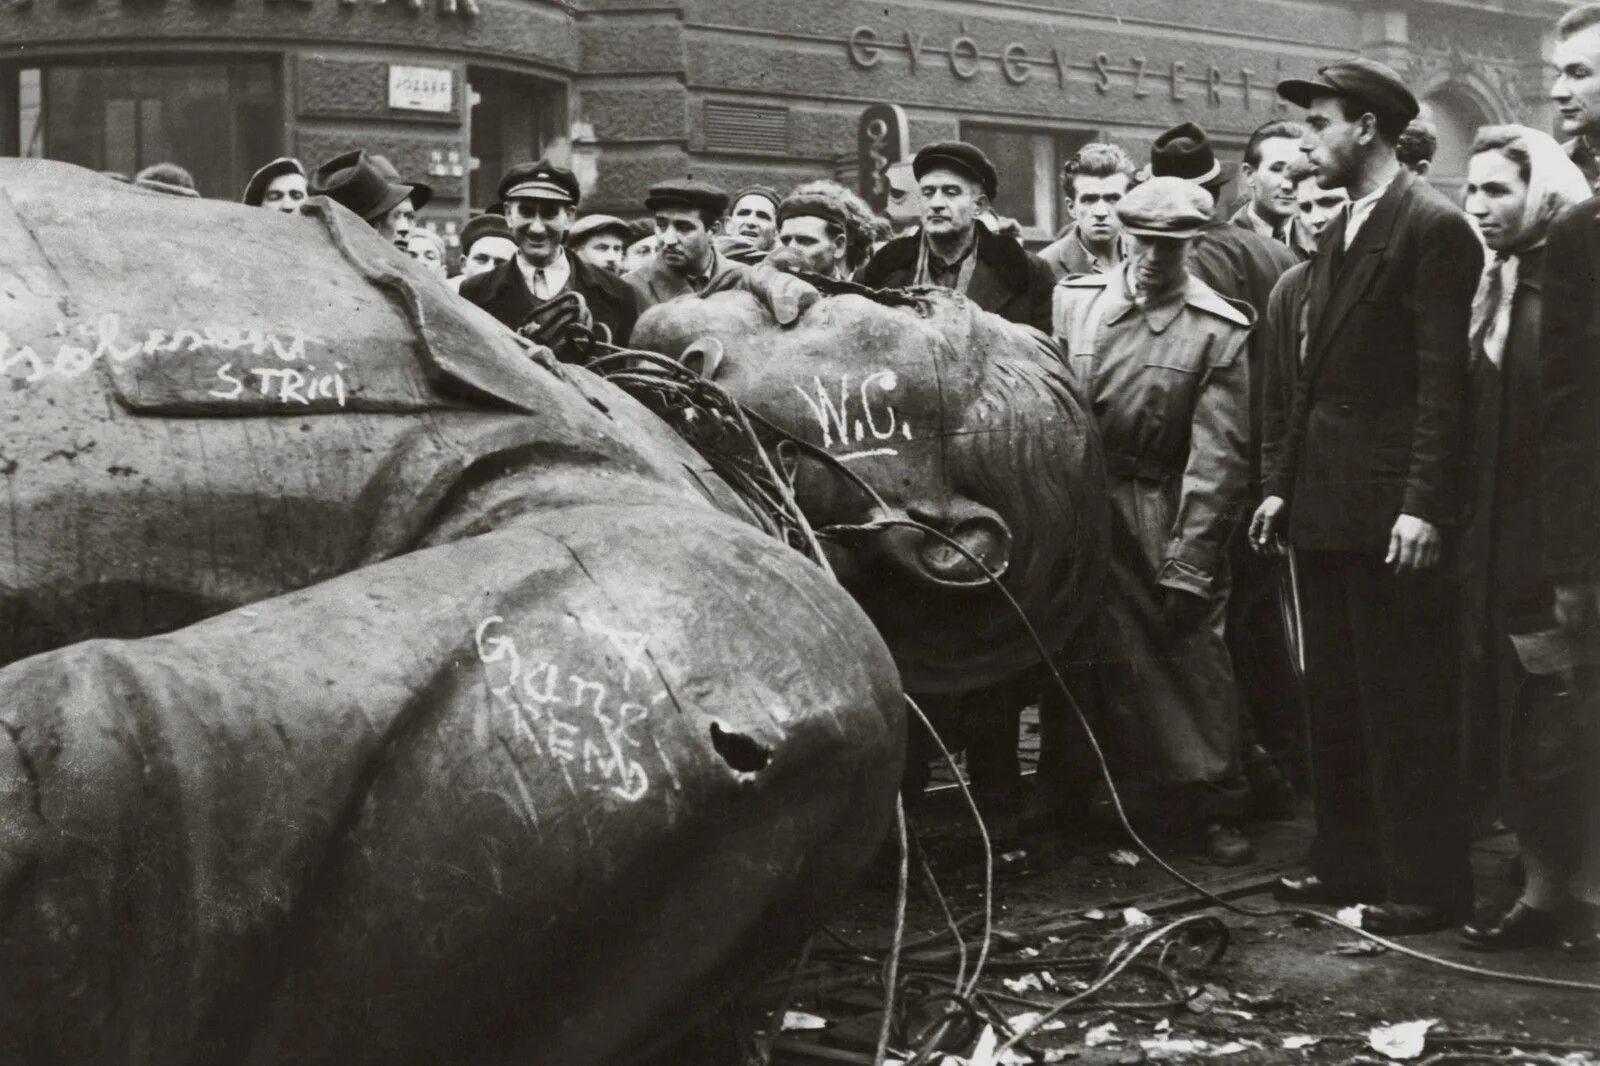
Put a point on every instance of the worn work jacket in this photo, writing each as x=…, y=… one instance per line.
x=1169, y=386
x=1007, y=280
x=656, y=282
x=1069, y=256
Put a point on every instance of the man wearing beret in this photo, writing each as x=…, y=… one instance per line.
x=1367, y=488
x=815, y=227
x=528, y=293
x=1161, y=357
x=954, y=251
x=686, y=262
x=755, y=216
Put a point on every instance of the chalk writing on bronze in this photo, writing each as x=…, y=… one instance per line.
x=72, y=352
x=863, y=415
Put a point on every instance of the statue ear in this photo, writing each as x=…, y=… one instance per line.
x=703, y=357
x=978, y=529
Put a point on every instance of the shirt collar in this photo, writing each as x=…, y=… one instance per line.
x=972, y=246
x=1158, y=315
x=555, y=274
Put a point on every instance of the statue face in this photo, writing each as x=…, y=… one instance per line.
x=954, y=418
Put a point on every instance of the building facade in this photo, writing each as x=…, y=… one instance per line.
x=731, y=91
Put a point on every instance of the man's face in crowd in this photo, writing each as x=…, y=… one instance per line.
x=755, y=219
x=1317, y=206
x=1333, y=143
x=1576, y=91
x=1271, y=191
x=639, y=253
x=395, y=226
x=683, y=241
x=486, y=254
x=1156, y=263
x=285, y=193
x=1094, y=207
x=603, y=250
x=1496, y=196
x=809, y=236
x=904, y=205
x=950, y=203
x=425, y=250
x=540, y=226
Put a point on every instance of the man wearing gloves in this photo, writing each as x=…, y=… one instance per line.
x=1161, y=357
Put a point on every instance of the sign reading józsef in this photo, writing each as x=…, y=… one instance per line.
x=421, y=89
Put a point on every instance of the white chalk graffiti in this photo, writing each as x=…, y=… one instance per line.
x=71, y=353
x=285, y=384
x=862, y=415
x=583, y=725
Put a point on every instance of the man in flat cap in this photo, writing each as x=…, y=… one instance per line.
x=686, y=214
x=1243, y=265
x=599, y=240
x=279, y=186
x=1161, y=357
x=531, y=292
x=1366, y=486
x=370, y=186
x=754, y=216
x=486, y=243
x=815, y=226
x=954, y=251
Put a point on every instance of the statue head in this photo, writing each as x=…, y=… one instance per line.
x=953, y=418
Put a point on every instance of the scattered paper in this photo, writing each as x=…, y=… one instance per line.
x=1169, y=1048
x=1101, y=1034
x=984, y=1053
x=1358, y=947
x=1232, y=1047
x=799, y=1021
x=1013, y=1057
x=1030, y=1018
x=1352, y=915
x=1295, y=1043
x=1164, y=1025
x=1095, y=915
x=1028, y=982
x=1028, y=953
x=1134, y=918
x=1246, y=1015
x=1124, y=857
x=1404, y=1040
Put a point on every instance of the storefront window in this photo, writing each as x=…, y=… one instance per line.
x=219, y=121
x=514, y=119
x=1029, y=162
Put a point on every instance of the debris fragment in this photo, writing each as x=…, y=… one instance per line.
x=1404, y=1040
x=1030, y=1018
x=1134, y=918
x=1169, y=1048
x=1295, y=1043
x=1352, y=915
x=1232, y=1047
x=1101, y=1035
x=1095, y=915
x=983, y=1054
x=1028, y=982
x=1358, y=947
x=1124, y=857
x=799, y=1021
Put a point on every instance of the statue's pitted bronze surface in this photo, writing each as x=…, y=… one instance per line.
x=374, y=689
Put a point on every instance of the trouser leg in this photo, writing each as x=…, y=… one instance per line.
x=1405, y=642
x=1346, y=847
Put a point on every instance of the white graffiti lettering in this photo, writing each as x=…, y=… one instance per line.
x=863, y=415
x=285, y=384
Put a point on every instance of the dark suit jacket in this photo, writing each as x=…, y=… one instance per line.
x=504, y=294
x=1379, y=416
x=1569, y=421
x=1007, y=280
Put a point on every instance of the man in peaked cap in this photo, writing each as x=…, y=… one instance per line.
x=954, y=250
x=1161, y=357
x=1243, y=266
x=373, y=191
x=1366, y=487
x=530, y=293
x=686, y=213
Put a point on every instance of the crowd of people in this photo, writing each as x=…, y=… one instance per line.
x=1351, y=448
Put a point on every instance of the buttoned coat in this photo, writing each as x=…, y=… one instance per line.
x=1169, y=387
x=1378, y=423
x=503, y=292
x=1007, y=280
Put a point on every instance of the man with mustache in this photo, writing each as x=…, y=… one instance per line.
x=1161, y=357
x=541, y=202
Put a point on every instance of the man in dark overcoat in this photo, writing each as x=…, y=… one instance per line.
x=1368, y=489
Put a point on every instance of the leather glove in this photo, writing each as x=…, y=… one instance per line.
x=1182, y=610
x=784, y=295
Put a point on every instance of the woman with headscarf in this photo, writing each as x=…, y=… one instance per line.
x=1523, y=704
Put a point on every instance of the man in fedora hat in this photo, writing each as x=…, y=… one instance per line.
x=1161, y=358
x=1366, y=486
x=954, y=251
x=369, y=186
x=541, y=202
x=1243, y=266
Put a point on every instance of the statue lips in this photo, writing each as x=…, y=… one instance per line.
x=957, y=419
x=375, y=688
